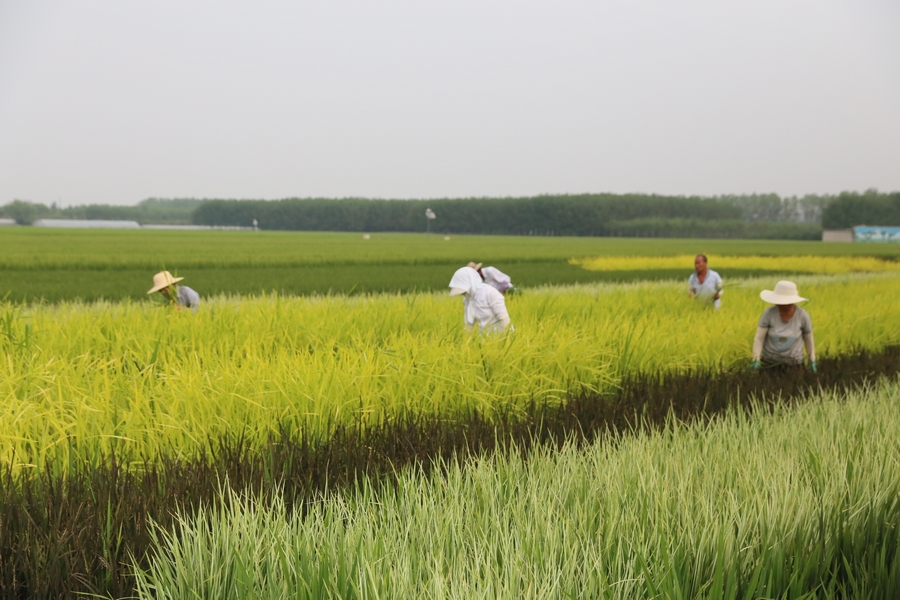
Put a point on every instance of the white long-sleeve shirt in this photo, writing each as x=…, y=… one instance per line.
x=496, y=278
x=487, y=308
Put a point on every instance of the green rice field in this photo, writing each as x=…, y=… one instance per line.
x=60, y=264
x=245, y=451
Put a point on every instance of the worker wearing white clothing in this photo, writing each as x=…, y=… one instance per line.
x=484, y=305
x=494, y=277
x=705, y=284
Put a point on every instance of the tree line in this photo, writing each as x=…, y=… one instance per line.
x=850, y=209
x=624, y=215
x=150, y=211
x=629, y=215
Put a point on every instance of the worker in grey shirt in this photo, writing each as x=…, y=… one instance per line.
x=182, y=295
x=784, y=329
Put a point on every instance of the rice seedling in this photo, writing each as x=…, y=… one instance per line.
x=81, y=381
x=801, y=503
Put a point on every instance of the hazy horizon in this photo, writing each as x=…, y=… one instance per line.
x=114, y=103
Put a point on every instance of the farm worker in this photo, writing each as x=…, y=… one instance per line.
x=704, y=283
x=494, y=277
x=781, y=329
x=183, y=296
x=483, y=304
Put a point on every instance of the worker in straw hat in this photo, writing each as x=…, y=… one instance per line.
x=494, y=277
x=783, y=329
x=182, y=295
x=484, y=305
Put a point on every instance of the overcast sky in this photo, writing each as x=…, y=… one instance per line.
x=113, y=102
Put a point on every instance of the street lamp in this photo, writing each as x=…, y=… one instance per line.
x=429, y=217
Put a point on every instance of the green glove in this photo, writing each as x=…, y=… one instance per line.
x=755, y=365
x=813, y=366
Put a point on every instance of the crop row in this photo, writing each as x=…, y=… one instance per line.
x=799, y=504
x=79, y=531
x=43, y=249
x=79, y=381
x=782, y=264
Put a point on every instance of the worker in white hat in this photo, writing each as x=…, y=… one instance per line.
x=182, y=295
x=484, y=305
x=494, y=277
x=784, y=329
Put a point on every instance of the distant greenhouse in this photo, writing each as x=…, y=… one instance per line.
x=111, y=224
x=86, y=224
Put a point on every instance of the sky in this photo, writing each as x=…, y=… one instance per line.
x=113, y=102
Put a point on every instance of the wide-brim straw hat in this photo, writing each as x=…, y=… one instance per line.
x=785, y=292
x=475, y=266
x=162, y=280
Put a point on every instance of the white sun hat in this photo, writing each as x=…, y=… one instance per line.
x=465, y=281
x=163, y=279
x=785, y=293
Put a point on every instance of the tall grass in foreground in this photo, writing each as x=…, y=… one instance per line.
x=76, y=533
x=81, y=381
x=799, y=504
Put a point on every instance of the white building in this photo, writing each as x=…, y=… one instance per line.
x=837, y=235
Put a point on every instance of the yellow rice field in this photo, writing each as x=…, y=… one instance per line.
x=81, y=379
x=790, y=264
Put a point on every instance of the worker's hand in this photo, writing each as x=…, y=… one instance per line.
x=755, y=365
x=813, y=366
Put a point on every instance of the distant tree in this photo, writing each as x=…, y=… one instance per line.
x=869, y=208
x=771, y=207
x=24, y=212
x=586, y=214
x=152, y=210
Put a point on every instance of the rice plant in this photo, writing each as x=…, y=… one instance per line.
x=783, y=264
x=42, y=250
x=74, y=532
x=81, y=381
x=798, y=504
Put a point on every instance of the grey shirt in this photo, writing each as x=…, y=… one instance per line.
x=784, y=341
x=188, y=298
